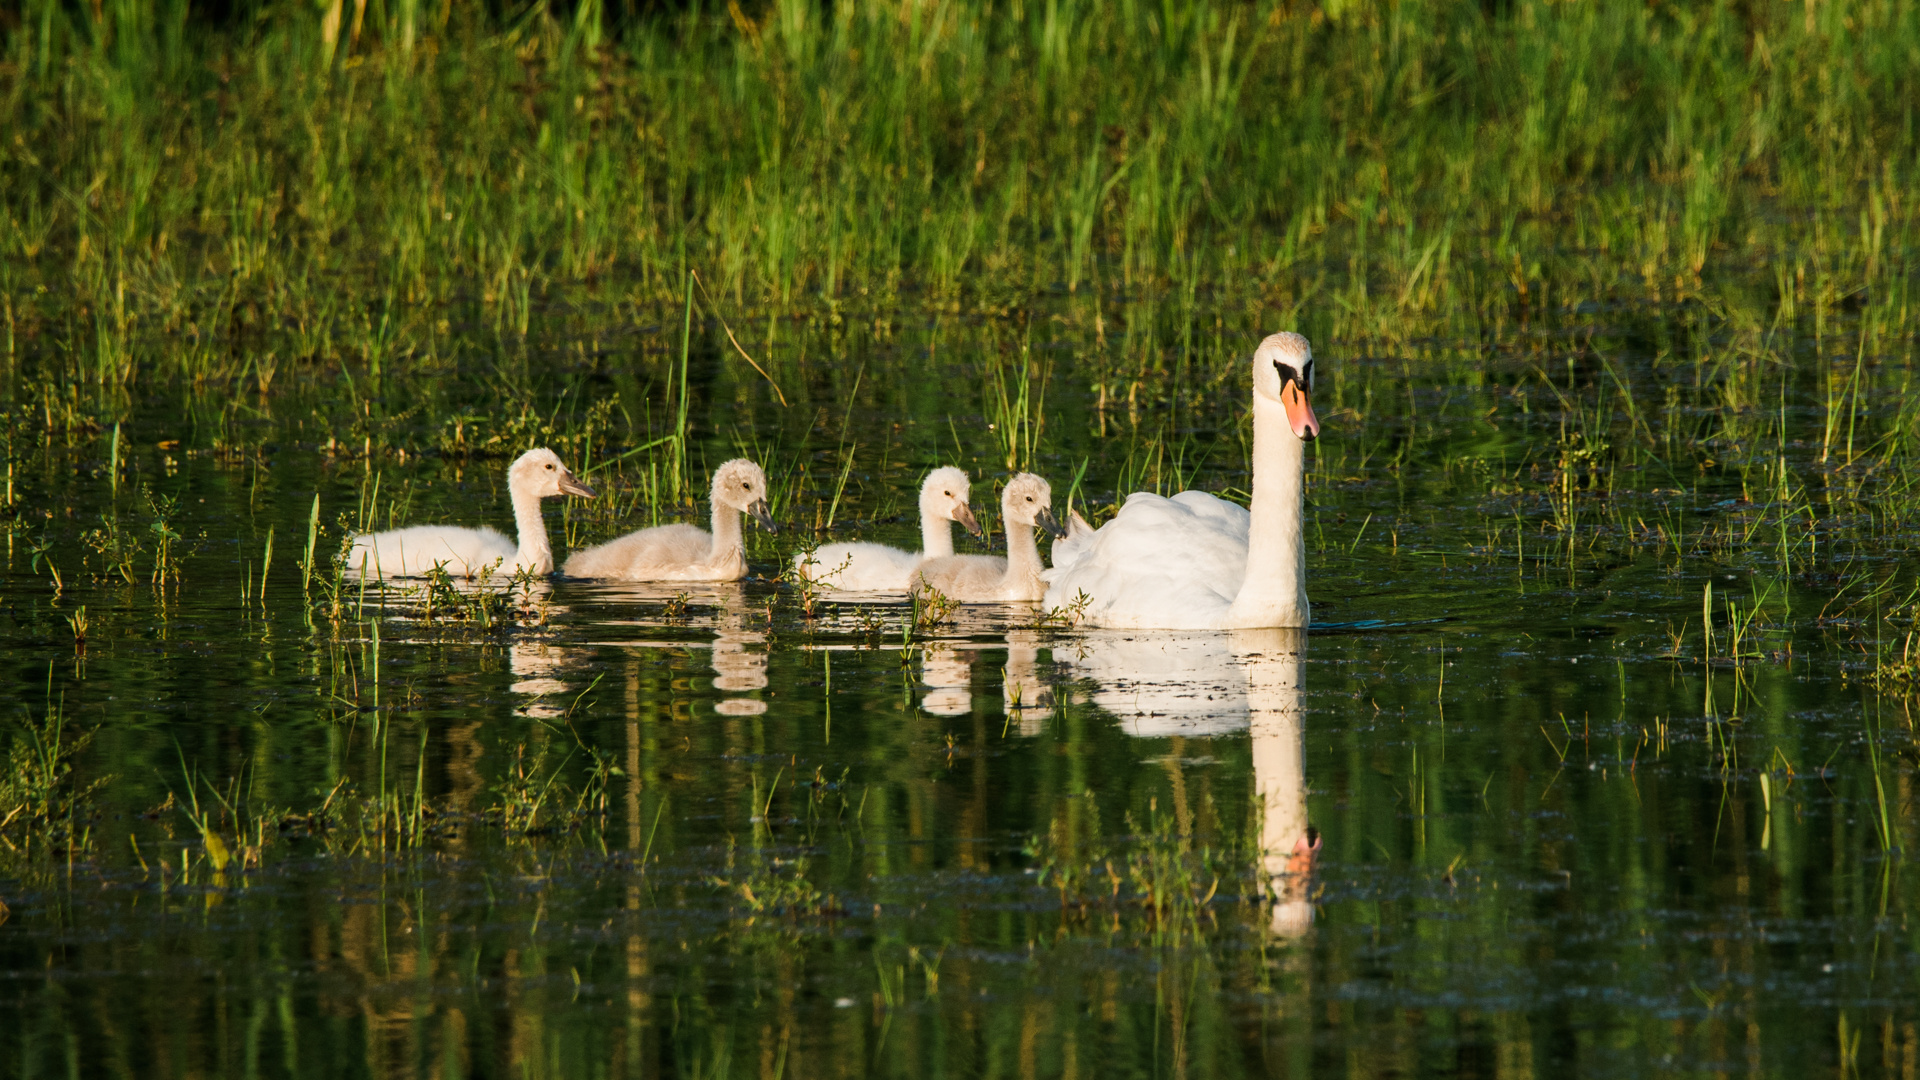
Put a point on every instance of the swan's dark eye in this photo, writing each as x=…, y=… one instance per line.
x=1285, y=372
x=549, y=468
x=948, y=494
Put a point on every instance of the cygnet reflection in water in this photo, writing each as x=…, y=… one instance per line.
x=739, y=670
x=1025, y=693
x=721, y=605
x=535, y=665
x=1214, y=684
x=948, y=672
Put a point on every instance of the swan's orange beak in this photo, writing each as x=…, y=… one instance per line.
x=1299, y=408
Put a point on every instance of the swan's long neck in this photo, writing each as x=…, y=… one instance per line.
x=726, y=532
x=1274, y=592
x=1023, y=556
x=535, y=554
x=936, y=535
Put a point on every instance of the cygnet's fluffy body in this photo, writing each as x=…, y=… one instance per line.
x=863, y=566
x=465, y=552
x=686, y=552
x=1026, y=503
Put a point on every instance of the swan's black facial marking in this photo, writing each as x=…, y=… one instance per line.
x=1303, y=377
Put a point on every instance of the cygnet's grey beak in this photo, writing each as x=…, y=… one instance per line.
x=571, y=486
x=1045, y=520
x=758, y=508
x=963, y=514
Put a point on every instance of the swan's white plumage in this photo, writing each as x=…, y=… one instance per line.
x=1125, y=568
x=683, y=552
x=1198, y=562
x=469, y=552
x=865, y=566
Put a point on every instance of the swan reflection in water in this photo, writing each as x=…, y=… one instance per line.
x=1207, y=684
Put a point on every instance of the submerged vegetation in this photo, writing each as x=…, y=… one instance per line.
x=1612, y=533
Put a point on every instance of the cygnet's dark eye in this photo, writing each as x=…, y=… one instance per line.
x=549, y=466
x=1029, y=498
x=948, y=494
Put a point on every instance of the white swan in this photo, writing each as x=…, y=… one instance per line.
x=1027, y=502
x=870, y=567
x=686, y=552
x=412, y=552
x=1197, y=562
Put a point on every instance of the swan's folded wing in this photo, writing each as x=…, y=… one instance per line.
x=1227, y=516
x=1168, y=563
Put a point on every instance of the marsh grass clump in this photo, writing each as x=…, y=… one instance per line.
x=771, y=884
x=932, y=609
x=1159, y=878
x=534, y=797
x=1899, y=671
x=118, y=546
x=41, y=796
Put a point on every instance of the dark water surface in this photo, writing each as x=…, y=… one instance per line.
x=705, y=835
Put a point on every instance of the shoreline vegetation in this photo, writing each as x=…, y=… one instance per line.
x=181, y=195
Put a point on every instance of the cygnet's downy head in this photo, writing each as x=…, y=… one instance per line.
x=1028, y=501
x=1283, y=372
x=742, y=486
x=539, y=471
x=944, y=495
